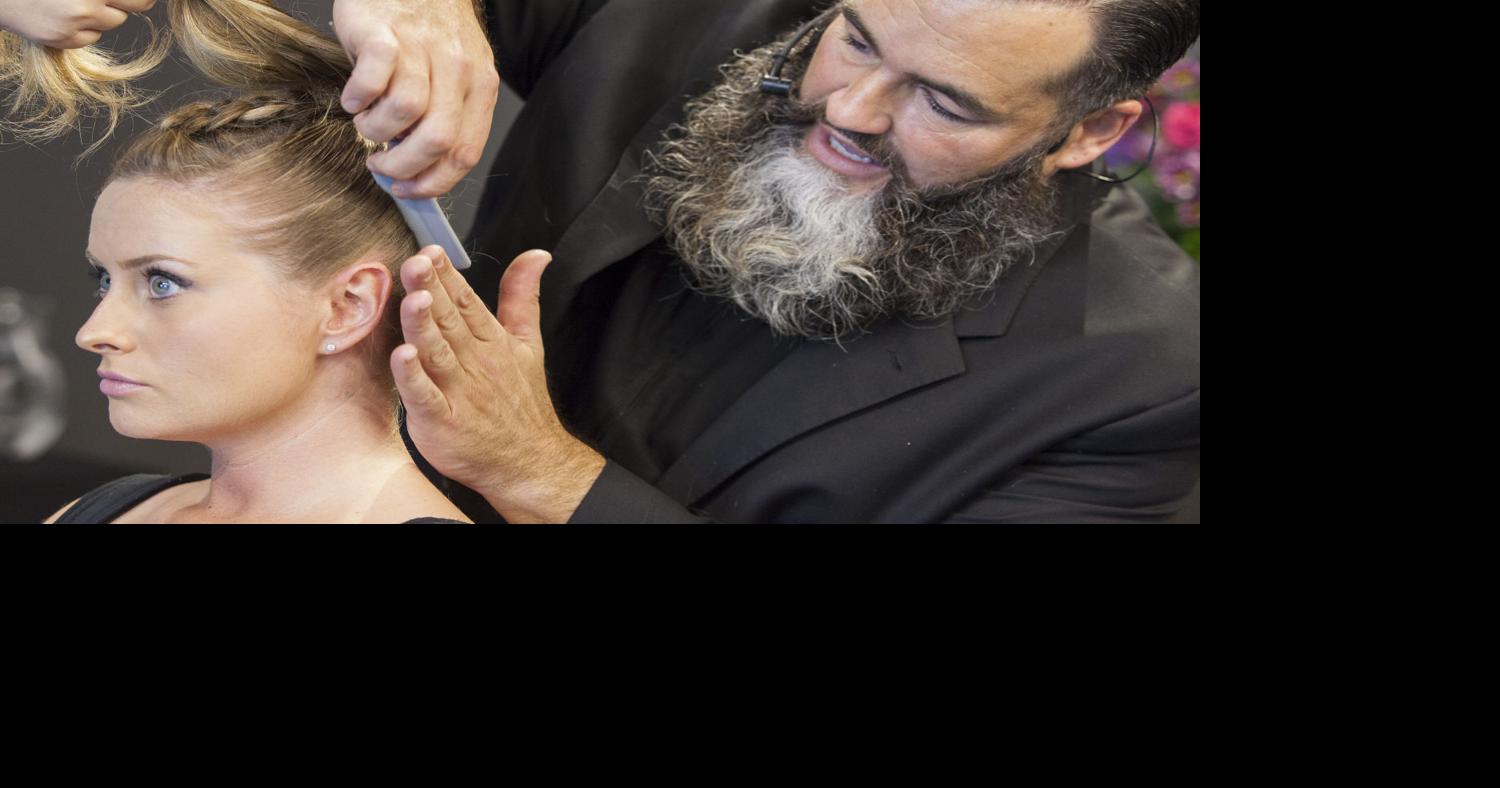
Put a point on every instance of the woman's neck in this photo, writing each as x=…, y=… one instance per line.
x=316, y=462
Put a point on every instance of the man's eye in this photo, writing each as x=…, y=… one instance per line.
x=938, y=108
x=856, y=44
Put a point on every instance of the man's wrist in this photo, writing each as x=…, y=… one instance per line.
x=555, y=485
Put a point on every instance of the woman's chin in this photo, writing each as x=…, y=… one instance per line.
x=138, y=429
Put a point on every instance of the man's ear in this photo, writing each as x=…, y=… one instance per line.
x=357, y=298
x=1094, y=135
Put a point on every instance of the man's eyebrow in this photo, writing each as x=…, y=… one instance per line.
x=965, y=100
x=136, y=262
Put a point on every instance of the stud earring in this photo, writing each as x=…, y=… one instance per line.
x=330, y=347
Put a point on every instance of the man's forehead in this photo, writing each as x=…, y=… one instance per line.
x=1001, y=50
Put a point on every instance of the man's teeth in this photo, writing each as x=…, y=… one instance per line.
x=848, y=154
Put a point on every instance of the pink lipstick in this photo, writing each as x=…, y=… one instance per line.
x=115, y=385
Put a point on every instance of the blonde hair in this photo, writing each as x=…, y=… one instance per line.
x=53, y=88
x=280, y=148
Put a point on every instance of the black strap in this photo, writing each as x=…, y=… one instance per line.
x=103, y=504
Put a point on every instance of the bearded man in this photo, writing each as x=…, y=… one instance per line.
x=893, y=295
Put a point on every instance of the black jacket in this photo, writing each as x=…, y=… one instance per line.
x=1070, y=396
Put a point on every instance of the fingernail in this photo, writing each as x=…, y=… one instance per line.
x=352, y=106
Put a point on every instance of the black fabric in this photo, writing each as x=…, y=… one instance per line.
x=103, y=504
x=527, y=36
x=657, y=378
x=1069, y=394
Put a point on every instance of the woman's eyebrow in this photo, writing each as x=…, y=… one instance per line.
x=137, y=262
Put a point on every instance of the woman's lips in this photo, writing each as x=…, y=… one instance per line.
x=820, y=143
x=114, y=385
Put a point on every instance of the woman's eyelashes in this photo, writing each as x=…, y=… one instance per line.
x=160, y=285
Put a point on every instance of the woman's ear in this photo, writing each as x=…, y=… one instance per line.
x=357, y=298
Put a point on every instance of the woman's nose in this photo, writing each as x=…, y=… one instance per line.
x=104, y=331
x=862, y=106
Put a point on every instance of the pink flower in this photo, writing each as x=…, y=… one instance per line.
x=1181, y=125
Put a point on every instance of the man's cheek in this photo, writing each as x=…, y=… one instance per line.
x=819, y=81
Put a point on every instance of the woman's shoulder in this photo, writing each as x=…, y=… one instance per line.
x=416, y=501
x=121, y=500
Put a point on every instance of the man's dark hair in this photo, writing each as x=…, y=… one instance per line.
x=1135, y=41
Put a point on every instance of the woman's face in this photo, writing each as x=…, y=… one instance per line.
x=220, y=339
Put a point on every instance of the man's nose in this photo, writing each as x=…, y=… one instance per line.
x=104, y=332
x=864, y=105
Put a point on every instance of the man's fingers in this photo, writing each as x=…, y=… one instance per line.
x=419, y=329
x=374, y=67
x=421, y=396
x=431, y=142
x=478, y=116
x=107, y=18
x=423, y=271
x=81, y=39
x=520, y=308
x=481, y=324
x=401, y=107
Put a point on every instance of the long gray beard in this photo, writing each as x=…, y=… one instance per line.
x=755, y=219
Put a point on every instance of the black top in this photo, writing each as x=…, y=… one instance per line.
x=104, y=504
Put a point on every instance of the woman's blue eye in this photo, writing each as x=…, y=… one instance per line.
x=102, y=280
x=162, y=286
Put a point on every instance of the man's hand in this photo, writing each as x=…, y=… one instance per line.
x=67, y=24
x=423, y=72
x=475, y=389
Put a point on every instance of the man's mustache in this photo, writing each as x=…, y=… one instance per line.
x=877, y=146
x=873, y=144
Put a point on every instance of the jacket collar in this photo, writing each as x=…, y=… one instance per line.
x=992, y=314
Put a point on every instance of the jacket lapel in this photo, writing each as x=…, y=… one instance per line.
x=613, y=226
x=818, y=383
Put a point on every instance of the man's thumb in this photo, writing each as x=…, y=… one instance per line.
x=520, y=308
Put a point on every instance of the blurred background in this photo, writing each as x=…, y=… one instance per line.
x=56, y=441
